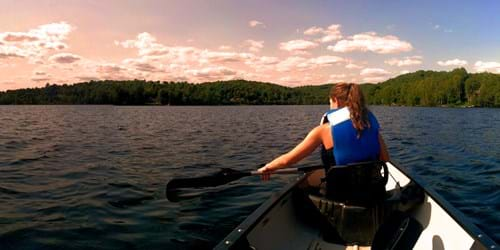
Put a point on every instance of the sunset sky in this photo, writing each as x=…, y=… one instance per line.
x=286, y=42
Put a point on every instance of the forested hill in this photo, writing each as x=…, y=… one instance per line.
x=421, y=88
x=431, y=88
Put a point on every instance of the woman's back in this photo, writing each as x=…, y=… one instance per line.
x=350, y=145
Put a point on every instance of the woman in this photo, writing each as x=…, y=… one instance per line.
x=352, y=132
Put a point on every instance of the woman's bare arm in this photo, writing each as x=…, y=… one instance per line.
x=303, y=149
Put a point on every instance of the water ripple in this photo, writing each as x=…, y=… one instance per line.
x=92, y=177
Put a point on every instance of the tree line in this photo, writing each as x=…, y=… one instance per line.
x=420, y=88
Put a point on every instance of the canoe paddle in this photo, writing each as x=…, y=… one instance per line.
x=222, y=177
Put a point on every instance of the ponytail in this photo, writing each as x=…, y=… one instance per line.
x=350, y=95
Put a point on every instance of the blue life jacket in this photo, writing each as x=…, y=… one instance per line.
x=348, y=148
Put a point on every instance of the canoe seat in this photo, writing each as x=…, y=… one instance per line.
x=353, y=200
x=358, y=184
x=356, y=204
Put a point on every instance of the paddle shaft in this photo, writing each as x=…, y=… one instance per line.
x=290, y=170
x=226, y=176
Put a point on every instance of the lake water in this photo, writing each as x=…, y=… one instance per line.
x=93, y=177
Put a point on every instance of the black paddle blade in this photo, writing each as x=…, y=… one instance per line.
x=224, y=176
x=176, y=196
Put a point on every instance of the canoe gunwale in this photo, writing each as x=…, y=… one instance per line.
x=481, y=240
x=251, y=221
x=475, y=232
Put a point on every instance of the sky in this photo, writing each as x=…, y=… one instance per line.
x=292, y=42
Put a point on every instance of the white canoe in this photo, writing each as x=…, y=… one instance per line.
x=278, y=223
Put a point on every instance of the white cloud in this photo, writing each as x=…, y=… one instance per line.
x=353, y=66
x=35, y=43
x=371, y=42
x=298, y=46
x=11, y=52
x=297, y=63
x=254, y=46
x=268, y=60
x=64, y=58
x=407, y=61
x=454, y=62
x=314, y=31
x=375, y=74
x=256, y=24
x=262, y=63
x=159, y=61
x=290, y=63
x=493, y=67
x=326, y=60
x=262, y=60
x=331, y=33
x=146, y=44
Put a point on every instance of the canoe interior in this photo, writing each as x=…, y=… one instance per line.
x=283, y=223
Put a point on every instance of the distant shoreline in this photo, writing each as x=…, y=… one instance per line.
x=242, y=105
x=455, y=88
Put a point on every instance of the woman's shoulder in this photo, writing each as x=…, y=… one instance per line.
x=320, y=130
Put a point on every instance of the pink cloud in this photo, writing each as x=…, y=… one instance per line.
x=298, y=46
x=35, y=43
x=221, y=57
x=331, y=33
x=254, y=46
x=314, y=31
x=6, y=54
x=109, y=69
x=19, y=37
x=212, y=73
x=64, y=58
